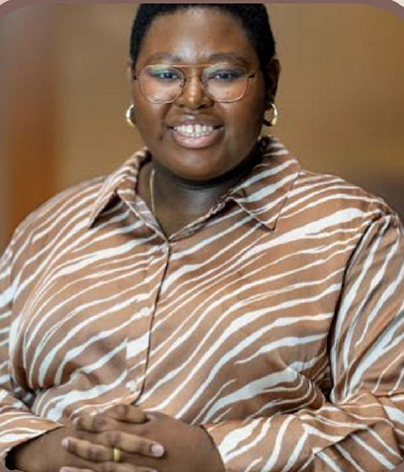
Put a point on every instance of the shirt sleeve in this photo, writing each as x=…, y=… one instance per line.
x=17, y=423
x=361, y=426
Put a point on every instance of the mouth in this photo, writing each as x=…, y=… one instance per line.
x=195, y=135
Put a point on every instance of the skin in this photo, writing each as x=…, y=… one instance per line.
x=193, y=179
x=56, y=449
x=186, y=447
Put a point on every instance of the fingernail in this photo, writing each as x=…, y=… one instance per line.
x=65, y=443
x=157, y=450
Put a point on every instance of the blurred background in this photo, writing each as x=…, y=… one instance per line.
x=64, y=92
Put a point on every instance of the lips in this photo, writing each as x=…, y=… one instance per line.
x=195, y=135
x=194, y=131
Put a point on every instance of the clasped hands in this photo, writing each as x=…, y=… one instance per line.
x=144, y=441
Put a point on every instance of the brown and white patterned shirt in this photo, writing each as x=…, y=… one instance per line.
x=276, y=321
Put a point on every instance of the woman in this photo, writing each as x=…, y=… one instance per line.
x=211, y=305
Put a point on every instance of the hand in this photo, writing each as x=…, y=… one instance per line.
x=41, y=454
x=187, y=447
x=47, y=454
x=108, y=430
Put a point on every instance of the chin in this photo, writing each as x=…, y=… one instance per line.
x=199, y=168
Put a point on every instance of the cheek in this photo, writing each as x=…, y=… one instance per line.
x=245, y=122
x=248, y=112
x=149, y=118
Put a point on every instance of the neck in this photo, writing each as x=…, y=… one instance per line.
x=176, y=202
x=174, y=185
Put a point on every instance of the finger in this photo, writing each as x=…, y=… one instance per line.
x=123, y=467
x=111, y=467
x=127, y=413
x=130, y=443
x=87, y=450
x=74, y=469
x=94, y=423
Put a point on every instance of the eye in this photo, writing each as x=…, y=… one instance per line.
x=224, y=73
x=164, y=74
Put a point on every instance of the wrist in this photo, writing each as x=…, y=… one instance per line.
x=40, y=454
x=216, y=462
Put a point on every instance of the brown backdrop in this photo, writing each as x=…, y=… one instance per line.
x=63, y=93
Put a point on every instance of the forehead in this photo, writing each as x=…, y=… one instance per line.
x=195, y=35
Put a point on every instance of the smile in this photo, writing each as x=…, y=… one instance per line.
x=196, y=136
x=194, y=131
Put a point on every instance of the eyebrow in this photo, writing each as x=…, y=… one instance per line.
x=225, y=56
x=163, y=55
x=219, y=56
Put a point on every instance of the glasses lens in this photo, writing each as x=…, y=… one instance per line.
x=225, y=82
x=161, y=83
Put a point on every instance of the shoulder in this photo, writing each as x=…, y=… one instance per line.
x=329, y=215
x=68, y=210
x=325, y=195
x=72, y=209
x=64, y=222
x=311, y=196
x=318, y=203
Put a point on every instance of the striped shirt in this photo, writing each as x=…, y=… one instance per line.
x=275, y=321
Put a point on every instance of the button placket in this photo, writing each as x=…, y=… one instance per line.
x=143, y=324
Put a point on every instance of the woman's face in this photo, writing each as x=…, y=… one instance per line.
x=193, y=37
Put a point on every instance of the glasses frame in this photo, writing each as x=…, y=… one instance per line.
x=136, y=76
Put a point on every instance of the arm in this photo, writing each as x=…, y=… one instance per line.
x=27, y=442
x=361, y=428
x=17, y=423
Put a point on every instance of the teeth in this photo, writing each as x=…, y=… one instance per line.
x=194, y=131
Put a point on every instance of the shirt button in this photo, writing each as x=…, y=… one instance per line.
x=144, y=311
x=133, y=385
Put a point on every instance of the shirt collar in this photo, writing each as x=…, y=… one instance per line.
x=262, y=194
x=123, y=180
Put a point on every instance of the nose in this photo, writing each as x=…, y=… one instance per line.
x=193, y=95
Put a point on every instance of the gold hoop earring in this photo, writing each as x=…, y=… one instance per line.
x=129, y=116
x=275, y=115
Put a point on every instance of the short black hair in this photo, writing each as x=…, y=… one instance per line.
x=253, y=17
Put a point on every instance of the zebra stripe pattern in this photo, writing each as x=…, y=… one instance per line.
x=276, y=321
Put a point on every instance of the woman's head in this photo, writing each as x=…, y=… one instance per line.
x=199, y=133
x=253, y=18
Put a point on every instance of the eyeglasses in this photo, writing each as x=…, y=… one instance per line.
x=222, y=82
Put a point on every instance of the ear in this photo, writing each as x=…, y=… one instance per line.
x=272, y=79
x=130, y=66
